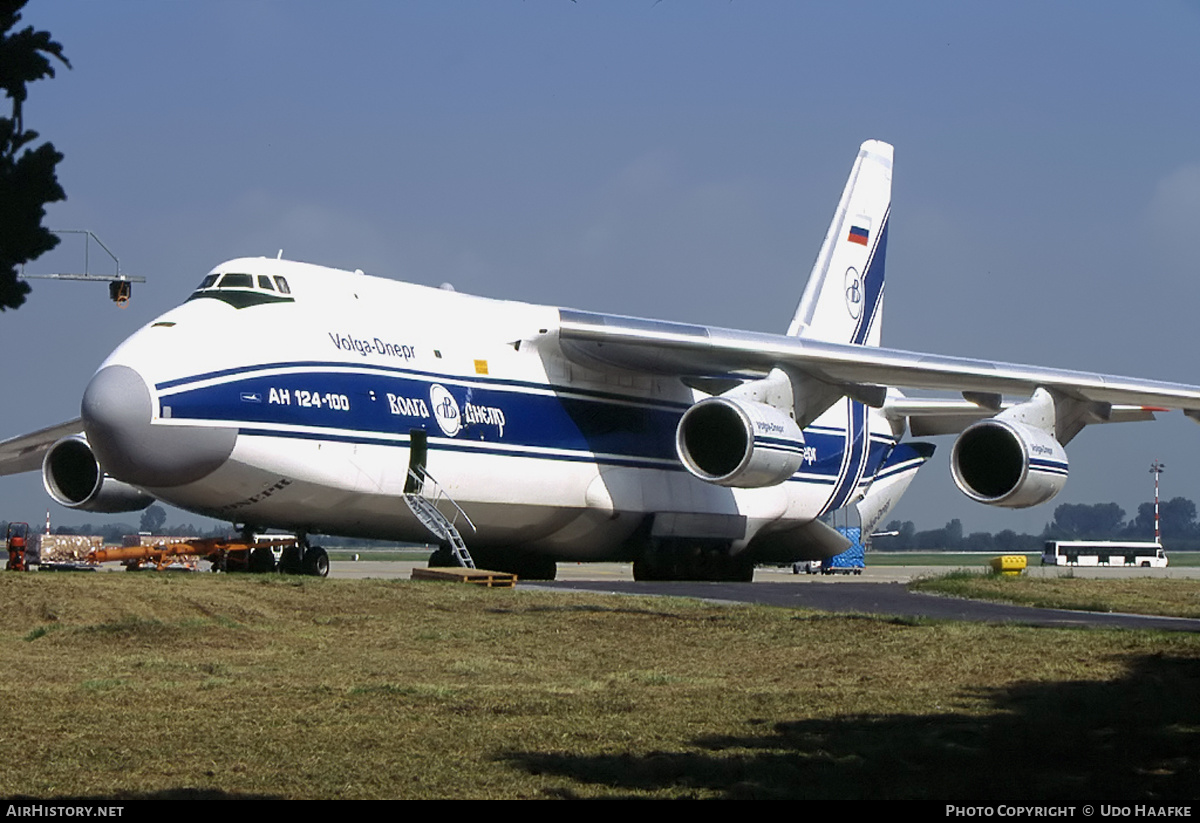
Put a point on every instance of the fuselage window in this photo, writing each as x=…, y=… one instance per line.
x=281, y=282
x=264, y=282
x=237, y=281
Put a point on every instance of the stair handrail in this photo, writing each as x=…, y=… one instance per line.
x=441, y=492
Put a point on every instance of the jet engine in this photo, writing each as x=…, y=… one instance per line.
x=73, y=477
x=731, y=441
x=1008, y=463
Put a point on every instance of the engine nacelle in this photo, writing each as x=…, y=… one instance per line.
x=730, y=441
x=73, y=477
x=1007, y=463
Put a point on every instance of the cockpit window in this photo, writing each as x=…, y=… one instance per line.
x=237, y=281
x=240, y=289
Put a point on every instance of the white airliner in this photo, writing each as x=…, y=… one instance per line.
x=695, y=452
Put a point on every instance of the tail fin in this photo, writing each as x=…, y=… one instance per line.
x=843, y=300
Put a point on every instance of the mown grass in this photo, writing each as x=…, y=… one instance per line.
x=952, y=559
x=1172, y=597
x=877, y=558
x=391, y=555
x=122, y=686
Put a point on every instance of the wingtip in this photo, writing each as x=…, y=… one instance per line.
x=878, y=147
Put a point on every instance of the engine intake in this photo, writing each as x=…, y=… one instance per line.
x=734, y=442
x=73, y=477
x=1007, y=463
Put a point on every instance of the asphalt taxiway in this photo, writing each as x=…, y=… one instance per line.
x=880, y=590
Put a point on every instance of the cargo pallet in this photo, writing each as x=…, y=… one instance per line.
x=479, y=577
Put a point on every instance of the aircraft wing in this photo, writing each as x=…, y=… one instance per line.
x=932, y=416
x=861, y=372
x=25, y=453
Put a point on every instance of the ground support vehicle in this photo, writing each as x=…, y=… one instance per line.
x=16, y=541
x=63, y=552
x=287, y=554
x=1104, y=553
x=851, y=561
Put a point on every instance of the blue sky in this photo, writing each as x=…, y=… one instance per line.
x=671, y=159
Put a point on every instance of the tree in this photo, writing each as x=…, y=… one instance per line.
x=1178, y=517
x=1006, y=541
x=153, y=519
x=954, y=534
x=1097, y=521
x=27, y=174
x=949, y=536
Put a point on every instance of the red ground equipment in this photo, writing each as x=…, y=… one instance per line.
x=16, y=540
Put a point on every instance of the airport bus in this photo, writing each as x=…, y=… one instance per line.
x=1103, y=553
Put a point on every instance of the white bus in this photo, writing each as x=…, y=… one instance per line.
x=1103, y=553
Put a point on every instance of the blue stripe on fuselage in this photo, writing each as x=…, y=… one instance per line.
x=349, y=403
x=854, y=457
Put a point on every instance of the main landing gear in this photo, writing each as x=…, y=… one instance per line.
x=287, y=555
x=304, y=559
x=692, y=561
x=525, y=565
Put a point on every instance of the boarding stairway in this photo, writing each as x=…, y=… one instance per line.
x=440, y=526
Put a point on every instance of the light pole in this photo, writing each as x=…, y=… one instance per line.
x=1156, y=468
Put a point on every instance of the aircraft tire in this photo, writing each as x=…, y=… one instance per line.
x=529, y=567
x=644, y=571
x=442, y=558
x=525, y=566
x=261, y=560
x=291, y=561
x=740, y=570
x=316, y=562
x=662, y=567
x=705, y=566
x=539, y=568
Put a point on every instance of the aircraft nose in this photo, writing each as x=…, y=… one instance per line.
x=117, y=413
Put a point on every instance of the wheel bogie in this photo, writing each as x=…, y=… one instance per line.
x=316, y=562
x=692, y=561
x=262, y=560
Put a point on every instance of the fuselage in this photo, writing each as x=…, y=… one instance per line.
x=287, y=395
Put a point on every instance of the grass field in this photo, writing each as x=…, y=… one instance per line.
x=123, y=686
x=1138, y=595
x=948, y=559
x=416, y=555
x=959, y=559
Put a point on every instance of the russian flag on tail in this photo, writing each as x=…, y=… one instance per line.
x=858, y=235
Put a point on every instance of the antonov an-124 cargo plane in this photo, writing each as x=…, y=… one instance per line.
x=337, y=403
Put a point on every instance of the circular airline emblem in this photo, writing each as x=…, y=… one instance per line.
x=854, y=292
x=445, y=409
